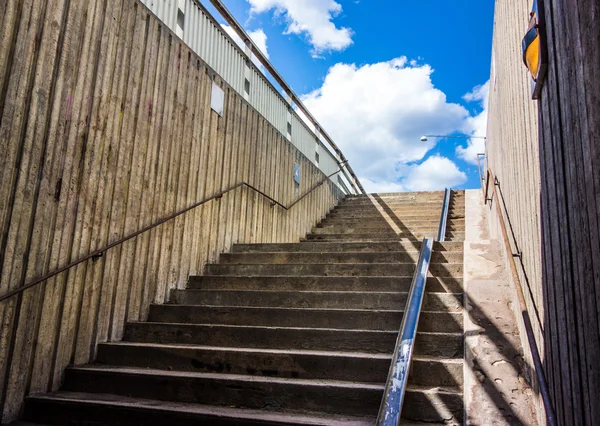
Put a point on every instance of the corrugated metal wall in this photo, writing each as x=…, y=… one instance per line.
x=201, y=32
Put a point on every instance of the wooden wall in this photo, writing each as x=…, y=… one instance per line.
x=106, y=127
x=570, y=165
x=513, y=156
x=547, y=157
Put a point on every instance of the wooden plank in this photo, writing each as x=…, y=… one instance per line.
x=65, y=181
x=153, y=174
x=149, y=146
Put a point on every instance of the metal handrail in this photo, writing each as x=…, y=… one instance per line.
x=235, y=25
x=535, y=353
x=395, y=388
x=444, y=216
x=98, y=253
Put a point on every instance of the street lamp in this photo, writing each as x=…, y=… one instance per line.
x=424, y=138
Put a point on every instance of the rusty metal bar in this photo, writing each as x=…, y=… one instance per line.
x=535, y=354
x=98, y=253
x=230, y=19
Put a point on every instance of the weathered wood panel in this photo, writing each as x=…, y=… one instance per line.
x=560, y=193
x=106, y=127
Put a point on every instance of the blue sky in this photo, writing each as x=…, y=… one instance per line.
x=393, y=70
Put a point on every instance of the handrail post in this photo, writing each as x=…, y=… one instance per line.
x=395, y=388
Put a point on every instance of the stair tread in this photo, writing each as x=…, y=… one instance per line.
x=345, y=330
x=219, y=412
x=117, y=369
x=344, y=354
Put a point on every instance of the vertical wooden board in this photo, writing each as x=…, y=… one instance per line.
x=14, y=155
x=126, y=198
x=237, y=216
x=173, y=163
x=65, y=160
x=99, y=281
x=148, y=147
x=86, y=185
x=190, y=176
x=227, y=169
x=248, y=195
x=270, y=184
x=206, y=169
x=162, y=241
x=42, y=209
x=217, y=176
x=277, y=211
x=236, y=146
x=16, y=394
x=199, y=166
x=180, y=179
x=257, y=172
x=154, y=171
x=10, y=11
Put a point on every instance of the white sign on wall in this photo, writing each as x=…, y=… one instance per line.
x=217, y=99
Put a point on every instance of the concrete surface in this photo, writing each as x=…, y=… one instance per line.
x=495, y=390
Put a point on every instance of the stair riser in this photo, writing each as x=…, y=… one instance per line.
x=314, y=300
x=379, y=270
x=389, y=284
x=380, y=231
x=345, y=247
x=292, y=365
x=396, y=218
x=365, y=320
x=299, y=258
x=417, y=236
x=342, y=225
x=440, y=407
x=359, y=401
x=427, y=344
x=400, y=207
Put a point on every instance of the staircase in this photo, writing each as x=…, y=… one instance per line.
x=298, y=334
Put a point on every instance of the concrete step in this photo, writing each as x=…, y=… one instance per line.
x=382, y=224
x=381, y=231
x=320, y=283
x=294, y=364
x=396, y=217
x=254, y=392
x=345, y=257
x=321, y=247
x=441, y=345
x=445, y=322
x=94, y=409
x=347, y=300
x=457, y=236
x=324, y=269
x=434, y=404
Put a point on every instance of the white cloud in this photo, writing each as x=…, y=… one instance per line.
x=258, y=37
x=476, y=126
x=433, y=174
x=377, y=113
x=313, y=18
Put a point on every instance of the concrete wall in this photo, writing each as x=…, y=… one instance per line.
x=545, y=154
x=106, y=127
